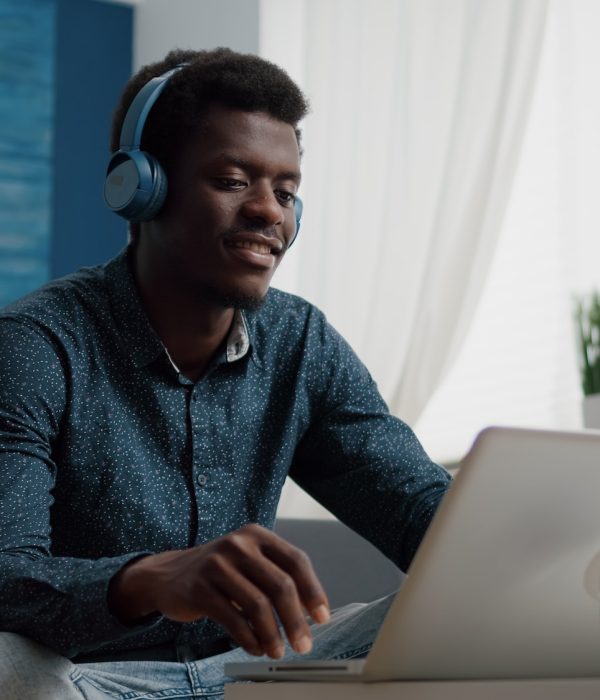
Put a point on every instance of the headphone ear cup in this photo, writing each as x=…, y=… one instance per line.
x=136, y=185
x=157, y=194
x=298, y=208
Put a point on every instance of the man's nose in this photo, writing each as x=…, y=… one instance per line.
x=263, y=205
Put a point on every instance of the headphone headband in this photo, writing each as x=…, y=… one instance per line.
x=135, y=119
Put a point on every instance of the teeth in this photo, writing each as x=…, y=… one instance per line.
x=254, y=247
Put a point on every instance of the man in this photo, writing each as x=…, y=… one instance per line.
x=151, y=408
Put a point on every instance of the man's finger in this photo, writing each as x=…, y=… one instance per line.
x=254, y=605
x=282, y=593
x=236, y=624
x=298, y=565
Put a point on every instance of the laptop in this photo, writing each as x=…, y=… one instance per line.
x=506, y=583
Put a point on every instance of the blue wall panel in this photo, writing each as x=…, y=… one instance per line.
x=27, y=35
x=63, y=64
x=93, y=62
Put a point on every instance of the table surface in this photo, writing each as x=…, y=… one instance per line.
x=542, y=689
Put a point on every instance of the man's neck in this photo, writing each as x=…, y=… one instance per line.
x=190, y=341
x=192, y=331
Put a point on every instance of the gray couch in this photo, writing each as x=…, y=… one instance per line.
x=349, y=567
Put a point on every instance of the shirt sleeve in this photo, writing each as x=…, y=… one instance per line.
x=58, y=601
x=363, y=464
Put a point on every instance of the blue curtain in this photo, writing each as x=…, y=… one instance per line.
x=63, y=64
x=27, y=35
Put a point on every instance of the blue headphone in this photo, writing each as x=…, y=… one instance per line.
x=136, y=185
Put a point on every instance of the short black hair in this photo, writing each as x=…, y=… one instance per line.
x=239, y=81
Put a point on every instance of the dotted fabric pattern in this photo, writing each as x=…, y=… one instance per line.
x=107, y=452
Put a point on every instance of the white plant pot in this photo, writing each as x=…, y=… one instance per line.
x=591, y=411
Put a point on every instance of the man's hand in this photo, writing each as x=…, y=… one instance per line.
x=238, y=580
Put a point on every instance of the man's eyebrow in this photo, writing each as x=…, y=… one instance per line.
x=247, y=165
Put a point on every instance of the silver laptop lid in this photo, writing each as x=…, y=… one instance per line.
x=506, y=583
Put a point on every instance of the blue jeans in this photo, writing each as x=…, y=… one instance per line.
x=30, y=671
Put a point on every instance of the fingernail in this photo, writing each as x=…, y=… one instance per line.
x=320, y=614
x=303, y=645
x=276, y=652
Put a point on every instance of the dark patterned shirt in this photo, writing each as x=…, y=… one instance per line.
x=108, y=452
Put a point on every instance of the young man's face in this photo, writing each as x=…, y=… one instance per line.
x=229, y=215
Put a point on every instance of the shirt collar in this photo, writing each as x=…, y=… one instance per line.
x=238, y=340
x=138, y=339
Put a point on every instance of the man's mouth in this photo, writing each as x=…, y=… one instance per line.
x=260, y=248
x=255, y=251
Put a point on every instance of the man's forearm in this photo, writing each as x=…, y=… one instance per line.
x=129, y=598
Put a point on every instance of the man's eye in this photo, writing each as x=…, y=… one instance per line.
x=286, y=198
x=230, y=183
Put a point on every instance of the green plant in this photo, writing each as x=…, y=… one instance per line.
x=587, y=315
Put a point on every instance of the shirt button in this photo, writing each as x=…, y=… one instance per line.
x=194, y=397
x=202, y=479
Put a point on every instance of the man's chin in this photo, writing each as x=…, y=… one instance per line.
x=244, y=302
x=237, y=299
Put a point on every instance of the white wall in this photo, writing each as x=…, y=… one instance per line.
x=162, y=25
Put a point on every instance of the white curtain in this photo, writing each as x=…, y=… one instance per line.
x=519, y=364
x=419, y=107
